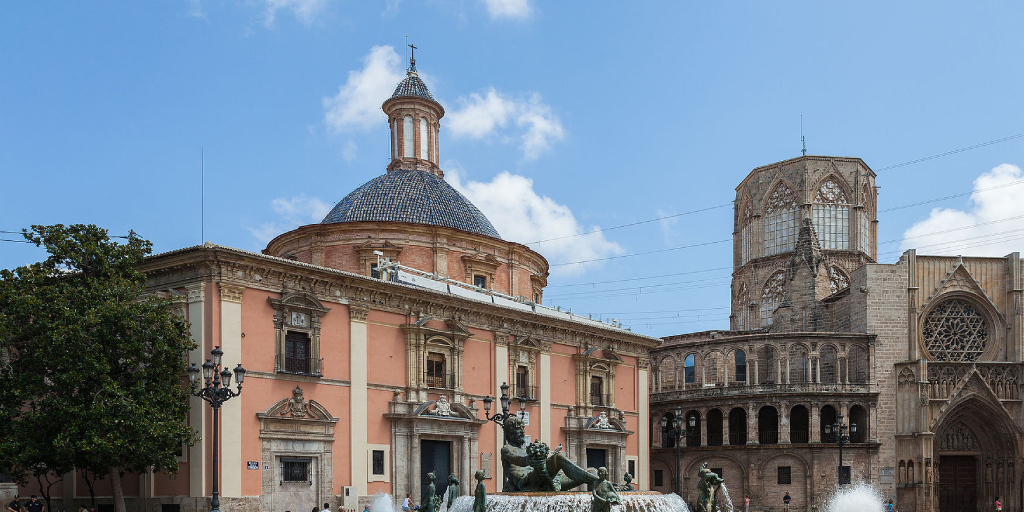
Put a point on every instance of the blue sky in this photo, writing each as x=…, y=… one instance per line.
x=562, y=117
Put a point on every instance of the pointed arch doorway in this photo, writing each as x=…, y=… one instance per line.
x=977, y=448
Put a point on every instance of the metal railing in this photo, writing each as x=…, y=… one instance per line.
x=600, y=400
x=299, y=365
x=439, y=380
x=737, y=438
x=527, y=393
x=799, y=436
x=692, y=391
x=768, y=437
x=714, y=439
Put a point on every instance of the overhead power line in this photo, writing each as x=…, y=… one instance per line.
x=953, y=152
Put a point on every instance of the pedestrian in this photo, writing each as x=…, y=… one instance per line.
x=406, y=505
x=888, y=506
x=327, y=508
x=785, y=502
x=82, y=508
x=34, y=505
x=746, y=504
x=999, y=504
x=14, y=506
x=316, y=509
x=366, y=507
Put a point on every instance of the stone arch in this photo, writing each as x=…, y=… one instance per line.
x=742, y=307
x=838, y=280
x=828, y=363
x=942, y=305
x=767, y=364
x=668, y=376
x=768, y=425
x=843, y=187
x=715, y=420
x=745, y=217
x=690, y=365
x=738, y=365
x=694, y=440
x=715, y=368
x=857, y=367
x=799, y=363
x=994, y=450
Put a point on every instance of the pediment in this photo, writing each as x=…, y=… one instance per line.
x=389, y=249
x=960, y=280
x=297, y=408
x=434, y=409
x=972, y=387
x=527, y=342
x=481, y=261
x=457, y=327
x=606, y=423
x=301, y=299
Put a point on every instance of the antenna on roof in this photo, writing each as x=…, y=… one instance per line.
x=802, y=142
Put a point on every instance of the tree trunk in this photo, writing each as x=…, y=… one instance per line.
x=115, y=484
x=90, y=482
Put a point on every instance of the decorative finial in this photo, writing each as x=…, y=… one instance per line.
x=412, y=59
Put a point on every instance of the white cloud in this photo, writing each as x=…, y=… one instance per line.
x=350, y=151
x=482, y=115
x=667, y=222
x=357, y=104
x=195, y=9
x=521, y=215
x=992, y=226
x=292, y=213
x=508, y=8
x=306, y=11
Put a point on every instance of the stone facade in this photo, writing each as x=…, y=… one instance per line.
x=923, y=355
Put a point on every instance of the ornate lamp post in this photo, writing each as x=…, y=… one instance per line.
x=216, y=382
x=500, y=418
x=841, y=437
x=678, y=432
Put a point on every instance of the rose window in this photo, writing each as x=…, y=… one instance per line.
x=955, y=331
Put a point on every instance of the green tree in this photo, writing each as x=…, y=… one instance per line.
x=91, y=367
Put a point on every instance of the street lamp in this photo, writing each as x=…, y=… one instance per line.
x=839, y=430
x=505, y=402
x=678, y=432
x=215, y=391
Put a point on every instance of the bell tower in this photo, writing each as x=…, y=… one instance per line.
x=414, y=118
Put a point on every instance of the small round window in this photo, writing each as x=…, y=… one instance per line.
x=955, y=331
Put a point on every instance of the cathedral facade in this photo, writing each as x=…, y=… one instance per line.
x=918, y=363
x=372, y=340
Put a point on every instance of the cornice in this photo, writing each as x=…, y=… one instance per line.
x=213, y=263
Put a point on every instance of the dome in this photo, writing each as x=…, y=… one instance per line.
x=412, y=85
x=418, y=197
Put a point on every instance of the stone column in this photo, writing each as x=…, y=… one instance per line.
x=358, y=396
x=814, y=435
x=198, y=410
x=544, y=372
x=752, y=437
x=784, y=424
x=704, y=428
x=643, y=427
x=231, y=411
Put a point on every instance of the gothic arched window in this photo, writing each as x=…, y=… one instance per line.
x=423, y=138
x=837, y=279
x=780, y=221
x=689, y=370
x=767, y=365
x=746, y=221
x=408, y=137
x=867, y=201
x=772, y=295
x=955, y=331
x=741, y=366
x=828, y=358
x=831, y=215
x=743, y=308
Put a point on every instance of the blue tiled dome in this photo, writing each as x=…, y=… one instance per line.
x=412, y=196
x=412, y=85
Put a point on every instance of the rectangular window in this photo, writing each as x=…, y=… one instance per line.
x=296, y=352
x=832, y=225
x=597, y=391
x=480, y=281
x=659, y=478
x=374, y=272
x=780, y=231
x=632, y=467
x=295, y=470
x=523, y=383
x=865, y=231
x=785, y=475
x=435, y=371
x=844, y=475
x=378, y=462
x=407, y=137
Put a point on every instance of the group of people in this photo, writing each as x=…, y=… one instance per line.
x=32, y=505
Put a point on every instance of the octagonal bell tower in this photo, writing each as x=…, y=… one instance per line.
x=414, y=118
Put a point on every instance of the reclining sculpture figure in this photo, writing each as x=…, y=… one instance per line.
x=533, y=467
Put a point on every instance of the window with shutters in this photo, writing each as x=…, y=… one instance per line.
x=296, y=352
x=436, y=376
x=378, y=462
x=597, y=396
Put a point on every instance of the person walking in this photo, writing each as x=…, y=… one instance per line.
x=785, y=502
x=746, y=504
x=14, y=506
x=34, y=505
x=327, y=508
x=888, y=506
x=999, y=504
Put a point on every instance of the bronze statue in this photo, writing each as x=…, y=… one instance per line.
x=707, y=489
x=480, y=501
x=534, y=467
x=603, y=495
x=430, y=504
x=628, y=478
x=453, y=489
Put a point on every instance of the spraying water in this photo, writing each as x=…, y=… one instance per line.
x=858, y=498
x=726, y=500
x=382, y=503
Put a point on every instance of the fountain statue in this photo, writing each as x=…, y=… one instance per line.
x=431, y=503
x=707, y=489
x=480, y=496
x=534, y=467
x=628, y=478
x=453, y=489
x=604, y=495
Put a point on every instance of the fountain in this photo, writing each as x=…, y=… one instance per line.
x=858, y=498
x=382, y=503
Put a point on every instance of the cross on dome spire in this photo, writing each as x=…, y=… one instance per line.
x=412, y=59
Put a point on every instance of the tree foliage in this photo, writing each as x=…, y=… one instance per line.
x=90, y=365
